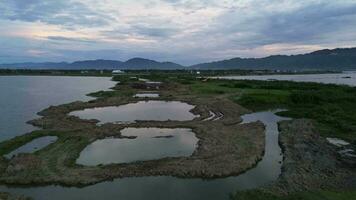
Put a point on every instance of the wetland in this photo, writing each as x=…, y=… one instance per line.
x=200, y=138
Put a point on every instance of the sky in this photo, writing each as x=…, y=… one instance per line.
x=182, y=31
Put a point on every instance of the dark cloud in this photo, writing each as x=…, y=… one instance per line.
x=306, y=24
x=154, y=31
x=142, y=31
x=309, y=24
x=65, y=13
x=70, y=39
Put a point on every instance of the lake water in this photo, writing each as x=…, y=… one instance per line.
x=34, y=145
x=149, y=144
x=142, y=110
x=346, y=78
x=165, y=187
x=23, y=96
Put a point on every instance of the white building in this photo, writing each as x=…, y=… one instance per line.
x=117, y=71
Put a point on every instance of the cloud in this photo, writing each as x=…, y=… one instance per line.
x=310, y=23
x=70, y=39
x=184, y=31
x=322, y=24
x=65, y=13
x=155, y=31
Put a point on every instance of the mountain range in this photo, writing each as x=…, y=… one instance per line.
x=134, y=63
x=326, y=59
x=335, y=59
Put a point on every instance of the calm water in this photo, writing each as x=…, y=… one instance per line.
x=273, y=157
x=150, y=144
x=346, y=78
x=146, y=95
x=33, y=146
x=23, y=96
x=165, y=187
x=142, y=110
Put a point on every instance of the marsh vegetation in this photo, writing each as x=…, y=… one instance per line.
x=226, y=146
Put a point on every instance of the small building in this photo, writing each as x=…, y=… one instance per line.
x=117, y=71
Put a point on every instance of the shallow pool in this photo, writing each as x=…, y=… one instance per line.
x=142, y=110
x=34, y=145
x=145, y=144
x=146, y=95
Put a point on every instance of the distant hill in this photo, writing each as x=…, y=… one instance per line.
x=135, y=63
x=31, y=65
x=141, y=63
x=336, y=59
x=95, y=64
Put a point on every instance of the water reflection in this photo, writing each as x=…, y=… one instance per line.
x=149, y=144
x=23, y=96
x=146, y=95
x=269, y=168
x=142, y=110
x=346, y=78
x=33, y=146
x=165, y=187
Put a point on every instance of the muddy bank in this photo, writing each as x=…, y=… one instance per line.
x=310, y=162
x=7, y=196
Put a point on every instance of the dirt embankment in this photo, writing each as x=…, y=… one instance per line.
x=225, y=147
x=310, y=162
x=7, y=196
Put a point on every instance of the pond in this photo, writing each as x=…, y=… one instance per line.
x=23, y=96
x=146, y=144
x=142, y=110
x=166, y=187
x=146, y=95
x=34, y=145
x=345, y=78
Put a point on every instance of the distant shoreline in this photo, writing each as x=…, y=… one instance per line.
x=108, y=73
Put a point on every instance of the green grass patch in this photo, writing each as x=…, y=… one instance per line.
x=331, y=106
x=260, y=99
x=114, y=93
x=210, y=88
